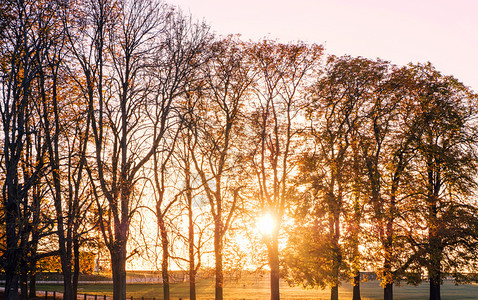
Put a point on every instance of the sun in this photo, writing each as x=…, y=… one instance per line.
x=266, y=224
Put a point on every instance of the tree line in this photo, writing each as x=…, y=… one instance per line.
x=116, y=109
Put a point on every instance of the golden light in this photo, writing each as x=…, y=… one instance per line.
x=266, y=224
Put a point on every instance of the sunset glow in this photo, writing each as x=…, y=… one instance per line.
x=400, y=31
x=238, y=149
x=266, y=224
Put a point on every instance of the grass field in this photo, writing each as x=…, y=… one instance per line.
x=259, y=289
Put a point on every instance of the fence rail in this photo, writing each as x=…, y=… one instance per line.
x=59, y=295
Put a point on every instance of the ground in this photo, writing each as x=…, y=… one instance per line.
x=259, y=289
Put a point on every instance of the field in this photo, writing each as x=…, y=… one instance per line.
x=259, y=289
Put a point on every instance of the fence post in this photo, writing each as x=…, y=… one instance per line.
x=54, y=295
x=104, y=297
x=46, y=295
x=96, y=297
x=84, y=296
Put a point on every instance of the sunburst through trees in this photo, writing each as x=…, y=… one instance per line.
x=130, y=130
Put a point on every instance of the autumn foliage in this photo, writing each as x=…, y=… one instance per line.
x=130, y=131
x=53, y=264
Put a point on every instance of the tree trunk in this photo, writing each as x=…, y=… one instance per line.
x=192, y=281
x=334, y=292
x=23, y=267
x=165, y=275
x=336, y=254
x=164, y=263
x=435, y=288
x=11, y=283
x=218, y=255
x=192, y=263
x=388, y=289
x=118, y=267
x=388, y=292
x=435, y=247
x=189, y=198
x=76, y=270
x=274, y=265
x=356, y=219
x=434, y=268
x=35, y=238
x=24, y=280
x=356, y=288
x=33, y=285
x=66, y=269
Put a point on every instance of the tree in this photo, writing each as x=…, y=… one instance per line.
x=218, y=129
x=282, y=71
x=192, y=197
x=331, y=171
x=354, y=162
x=66, y=137
x=176, y=66
x=122, y=39
x=24, y=45
x=445, y=165
x=386, y=150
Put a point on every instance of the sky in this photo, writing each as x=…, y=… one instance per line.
x=444, y=32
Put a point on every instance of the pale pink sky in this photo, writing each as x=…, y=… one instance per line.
x=444, y=32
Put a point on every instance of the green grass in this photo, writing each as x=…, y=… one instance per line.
x=259, y=289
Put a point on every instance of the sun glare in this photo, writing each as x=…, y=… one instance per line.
x=266, y=224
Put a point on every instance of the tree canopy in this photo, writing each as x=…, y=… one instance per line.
x=130, y=130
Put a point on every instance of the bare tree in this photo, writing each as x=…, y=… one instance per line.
x=283, y=70
x=175, y=66
x=66, y=125
x=192, y=188
x=23, y=47
x=114, y=50
x=119, y=127
x=218, y=131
